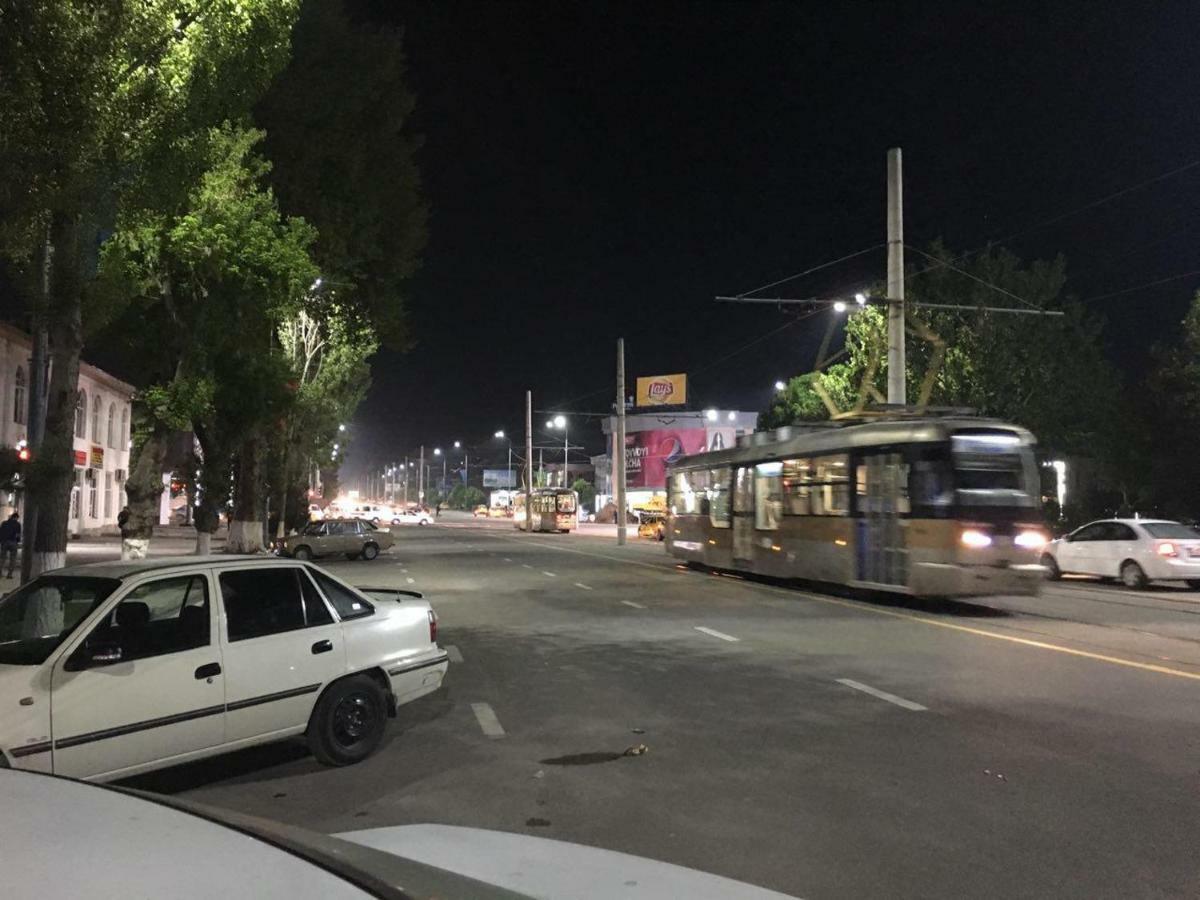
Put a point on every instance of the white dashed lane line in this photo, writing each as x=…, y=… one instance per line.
x=549, y=574
x=526, y=566
x=717, y=634
x=411, y=580
x=486, y=717
x=882, y=695
x=631, y=603
x=581, y=586
x=506, y=559
x=454, y=653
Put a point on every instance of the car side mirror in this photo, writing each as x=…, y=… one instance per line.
x=1069, y=538
x=102, y=654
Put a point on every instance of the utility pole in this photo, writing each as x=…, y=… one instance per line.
x=421, y=479
x=406, y=482
x=895, y=279
x=566, y=452
x=529, y=462
x=618, y=460
x=541, y=465
x=466, y=468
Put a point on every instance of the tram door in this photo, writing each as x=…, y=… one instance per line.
x=882, y=501
x=743, y=513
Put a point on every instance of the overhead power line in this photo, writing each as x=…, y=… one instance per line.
x=1142, y=287
x=824, y=265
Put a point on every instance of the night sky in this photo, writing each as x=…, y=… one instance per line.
x=602, y=170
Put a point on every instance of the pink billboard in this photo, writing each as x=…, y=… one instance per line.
x=647, y=453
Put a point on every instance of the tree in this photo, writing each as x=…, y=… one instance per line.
x=98, y=99
x=586, y=491
x=1172, y=415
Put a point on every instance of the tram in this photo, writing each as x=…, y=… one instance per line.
x=937, y=506
x=552, y=509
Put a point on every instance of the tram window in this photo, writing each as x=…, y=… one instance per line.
x=768, y=498
x=683, y=494
x=831, y=492
x=718, y=498
x=797, y=486
x=931, y=480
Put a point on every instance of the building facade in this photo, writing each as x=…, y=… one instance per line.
x=102, y=436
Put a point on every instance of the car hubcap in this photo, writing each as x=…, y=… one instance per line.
x=353, y=719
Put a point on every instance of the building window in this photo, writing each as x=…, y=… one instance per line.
x=97, y=408
x=112, y=425
x=81, y=415
x=124, y=445
x=19, y=397
x=93, y=509
x=108, y=497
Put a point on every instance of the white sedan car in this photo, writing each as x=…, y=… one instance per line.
x=1135, y=550
x=116, y=668
x=411, y=517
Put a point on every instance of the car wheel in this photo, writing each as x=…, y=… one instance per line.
x=348, y=721
x=395, y=521
x=1194, y=584
x=375, y=522
x=1132, y=575
x=302, y=552
x=1053, y=573
x=352, y=556
x=370, y=551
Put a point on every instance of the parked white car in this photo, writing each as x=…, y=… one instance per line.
x=1136, y=551
x=116, y=668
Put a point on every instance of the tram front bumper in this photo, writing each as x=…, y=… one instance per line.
x=930, y=579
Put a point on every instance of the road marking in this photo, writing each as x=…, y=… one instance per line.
x=526, y=566
x=506, y=559
x=454, y=653
x=403, y=571
x=411, y=580
x=896, y=614
x=582, y=586
x=631, y=603
x=549, y=574
x=717, y=634
x=882, y=695
x=486, y=717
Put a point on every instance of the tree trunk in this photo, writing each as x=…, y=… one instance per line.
x=281, y=494
x=51, y=487
x=212, y=489
x=143, y=487
x=246, y=527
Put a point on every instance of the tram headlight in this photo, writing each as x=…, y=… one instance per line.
x=1030, y=540
x=974, y=538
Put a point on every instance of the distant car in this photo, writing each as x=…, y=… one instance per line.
x=353, y=538
x=480, y=510
x=315, y=513
x=140, y=845
x=1136, y=551
x=412, y=517
x=115, y=668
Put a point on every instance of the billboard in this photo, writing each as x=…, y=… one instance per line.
x=648, y=452
x=499, y=478
x=662, y=390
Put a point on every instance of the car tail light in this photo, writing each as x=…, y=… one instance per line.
x=1030, y=539
x=1166, y=548
x=974, y=538
x=432, y=627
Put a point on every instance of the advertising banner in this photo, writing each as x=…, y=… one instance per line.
x=662, y=390
x=647, y=454
x=97, y=457
x=499, y=478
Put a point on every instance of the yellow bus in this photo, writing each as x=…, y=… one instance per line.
x=551, y=509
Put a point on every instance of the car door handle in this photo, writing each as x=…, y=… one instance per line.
x=322, y=647
x=208, y=671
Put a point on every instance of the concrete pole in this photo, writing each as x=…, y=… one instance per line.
x=406, y=482
x=529, y=462
x=895, y=279
x=421, y=479
x=618, y=460
x=566, y=451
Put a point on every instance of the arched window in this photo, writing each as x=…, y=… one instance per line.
x=19, y=397
x=124, y=426
x=112, y=425
x=81, y=415
x=97, y=407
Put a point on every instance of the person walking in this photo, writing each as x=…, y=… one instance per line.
x=10, y=539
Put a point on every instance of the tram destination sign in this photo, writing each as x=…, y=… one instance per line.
x=662, y=390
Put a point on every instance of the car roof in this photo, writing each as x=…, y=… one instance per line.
x=1142, y=521
x=127, y=568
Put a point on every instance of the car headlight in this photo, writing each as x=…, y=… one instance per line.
x=974, y=538
x=1030, y=539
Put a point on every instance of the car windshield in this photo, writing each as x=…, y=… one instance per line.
x=1171, y=530
x=38, y=617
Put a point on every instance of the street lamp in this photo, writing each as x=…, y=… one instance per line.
x=560, y=421
x=499, y=434
x=779, y=385
x=839, y=306
x=711, y=415
x=341, y=428
x=457, y=444
x=860, y=299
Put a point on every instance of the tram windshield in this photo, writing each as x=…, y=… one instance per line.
x=993, y=468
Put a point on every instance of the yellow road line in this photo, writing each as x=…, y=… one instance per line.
x=896, y=614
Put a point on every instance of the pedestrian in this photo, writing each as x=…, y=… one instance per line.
x=122, y=518
x=10, y=539
x=437, y=510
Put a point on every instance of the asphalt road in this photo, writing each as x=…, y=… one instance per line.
x=824, y=746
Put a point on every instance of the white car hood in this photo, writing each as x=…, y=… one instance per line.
x=544, y=868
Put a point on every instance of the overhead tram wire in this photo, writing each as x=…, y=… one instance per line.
x=824, y=265
x=1141, y=287
x=975, y=278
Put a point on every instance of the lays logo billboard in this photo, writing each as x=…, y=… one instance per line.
x=662, y=390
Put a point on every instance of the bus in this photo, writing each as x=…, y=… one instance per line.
x=935, y=506
x=552, y=509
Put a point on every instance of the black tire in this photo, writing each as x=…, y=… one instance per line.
x=370, y=551
x=1132, y=575
x=1053, y=573
x=352, y=556
x=1194, y=584
x=396, y=521
x=348, y=721
x=302, y=552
